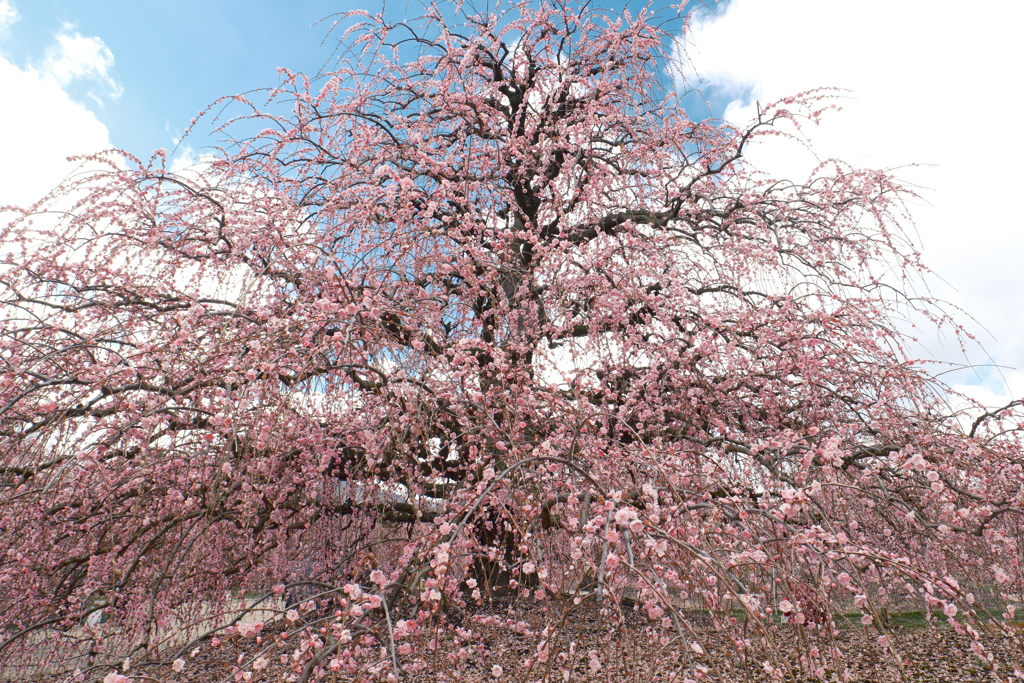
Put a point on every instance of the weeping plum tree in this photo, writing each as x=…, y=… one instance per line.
x=481, y=312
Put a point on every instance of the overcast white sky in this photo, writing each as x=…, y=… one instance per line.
x=931, y=82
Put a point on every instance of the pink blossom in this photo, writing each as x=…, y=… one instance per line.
x=485, y=308
x=246, y=630
x=623, y=516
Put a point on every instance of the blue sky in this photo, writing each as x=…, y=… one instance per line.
x=932, y=91
x=171, y=58
x=174, y=57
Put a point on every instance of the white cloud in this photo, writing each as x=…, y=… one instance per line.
x=183, y=159
x=930, y=82
x=77, y=57
x=40, y=127
x=8, y=15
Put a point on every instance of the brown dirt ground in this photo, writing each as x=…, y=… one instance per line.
x=629, y=651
